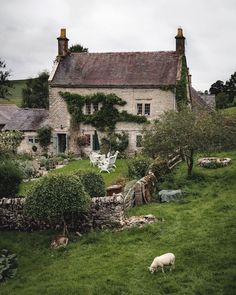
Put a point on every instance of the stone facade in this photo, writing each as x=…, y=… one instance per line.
x=106, y=212
x=30, y=139
x=59, y=118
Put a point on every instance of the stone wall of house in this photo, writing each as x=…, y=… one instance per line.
x=160, y=101
x=26, y=146
x=106, y=212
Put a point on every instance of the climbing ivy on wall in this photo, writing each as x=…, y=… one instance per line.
x=181, y=87
x=106, y=117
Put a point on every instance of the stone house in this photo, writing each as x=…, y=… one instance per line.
x=27, y=121
x=145, y=80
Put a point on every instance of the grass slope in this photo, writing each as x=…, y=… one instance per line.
x=200, y=230
x=16, y=93
x=230, y=111
x=109, y=178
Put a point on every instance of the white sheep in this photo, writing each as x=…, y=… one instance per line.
x=161, y=261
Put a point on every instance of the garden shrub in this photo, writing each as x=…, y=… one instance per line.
x=138, y=167
x=93, y=183
x=29, y=170
x=8, y=265
x=159, y=167
x=11, y=177
x=55, y=196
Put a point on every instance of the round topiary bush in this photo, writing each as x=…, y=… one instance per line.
x=138, y=167
x=93, y=183
x=54, y=196
x=10, y=178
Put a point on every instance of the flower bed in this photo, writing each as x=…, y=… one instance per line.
x=213, y=162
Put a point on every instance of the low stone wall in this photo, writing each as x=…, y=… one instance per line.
x=106, y=212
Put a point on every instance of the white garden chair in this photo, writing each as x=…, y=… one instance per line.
x=107, y=165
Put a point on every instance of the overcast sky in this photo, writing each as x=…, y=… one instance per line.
x=29, y=28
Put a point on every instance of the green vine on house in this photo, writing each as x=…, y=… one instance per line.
x=104, y=118
x=181, y=87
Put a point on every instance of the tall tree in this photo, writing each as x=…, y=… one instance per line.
x=189, y=132
x=78, y=48
x=35, y=95
x=5, y=84
x=217, y=87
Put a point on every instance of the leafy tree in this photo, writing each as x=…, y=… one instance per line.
x=217, y=87
x=5, y=84
x=230, y=87
x=55, y=196
x=35, y=95
x=222, y=100
x=189, y=132
x=78, y=48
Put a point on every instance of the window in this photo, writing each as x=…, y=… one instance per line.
x=95, y=107
x=88, y=139
x=88, y=108
x=139, y=108
x=33, y=140
x=139, y=140
x=143, y=109
x=147, y=109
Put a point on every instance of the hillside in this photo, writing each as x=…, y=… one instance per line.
x=16, y=93
x=199, y=230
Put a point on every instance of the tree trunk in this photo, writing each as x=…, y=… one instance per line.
x=190, y=162
x=65, y=230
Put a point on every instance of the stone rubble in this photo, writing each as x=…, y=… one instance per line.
x=138, y=221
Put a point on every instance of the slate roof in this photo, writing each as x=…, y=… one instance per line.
x=198, y=101
x=117, y=69
x=27, y=120
x=6, y=112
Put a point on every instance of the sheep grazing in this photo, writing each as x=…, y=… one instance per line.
x=161, y=261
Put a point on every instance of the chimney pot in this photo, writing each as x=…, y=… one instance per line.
x=180, y=42
x=62, y=43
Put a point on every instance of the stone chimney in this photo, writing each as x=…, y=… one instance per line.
x=180, y=42
x=62, y=43
x=189, y=77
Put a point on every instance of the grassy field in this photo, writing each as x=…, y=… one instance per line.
x=109, y=178
x=199, y=230
x=230, y=111
x=16, y=93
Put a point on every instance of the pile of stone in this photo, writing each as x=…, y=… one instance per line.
x=138, y=221
x=213, y=162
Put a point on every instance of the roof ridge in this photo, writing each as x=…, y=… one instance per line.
x=123, y=52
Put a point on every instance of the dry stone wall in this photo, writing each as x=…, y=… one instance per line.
x=106, y=212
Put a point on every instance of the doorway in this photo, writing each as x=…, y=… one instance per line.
x=61, y=142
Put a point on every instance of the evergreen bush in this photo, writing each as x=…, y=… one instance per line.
x=10, y=178
x=55, y=196
x=138, y=167
x=159, y=167
x=93, y=183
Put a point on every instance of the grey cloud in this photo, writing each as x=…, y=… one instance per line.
x=29, y=29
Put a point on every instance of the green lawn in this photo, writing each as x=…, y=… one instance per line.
x=230, y=111
x=109, y=178
x=200, y=231
x=16, y=93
